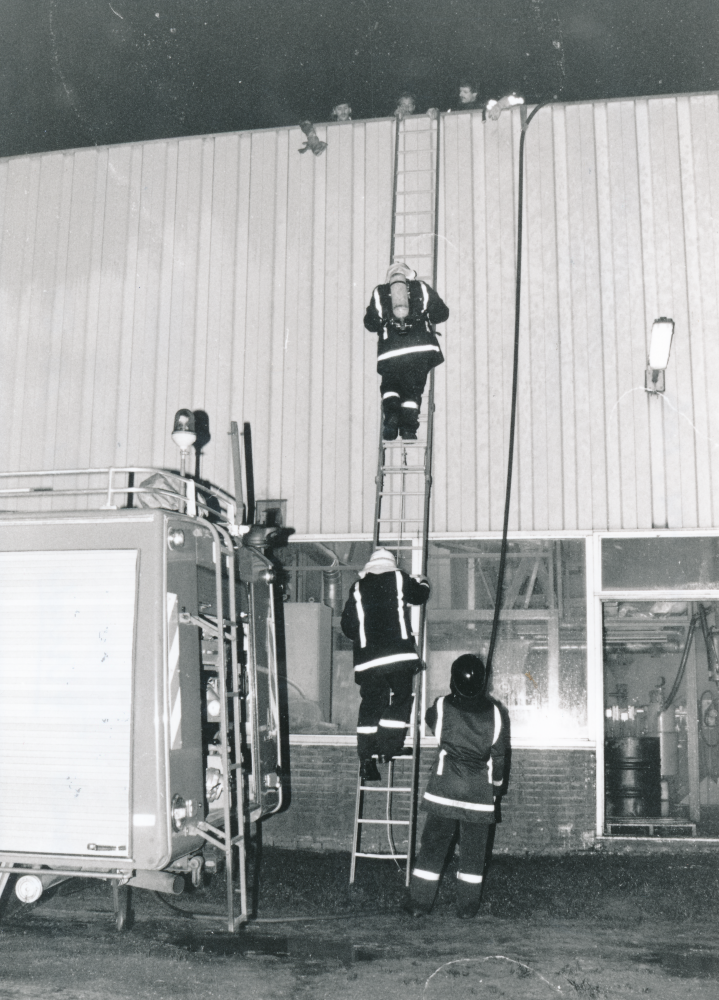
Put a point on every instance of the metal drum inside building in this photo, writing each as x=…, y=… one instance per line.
x=632, y=772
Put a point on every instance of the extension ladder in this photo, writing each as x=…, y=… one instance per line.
x=404, y=482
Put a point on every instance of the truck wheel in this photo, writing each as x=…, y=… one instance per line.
x=121, y=896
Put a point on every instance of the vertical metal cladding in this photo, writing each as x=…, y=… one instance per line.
x=619, y=229
x=225, y=273
x=230, y=274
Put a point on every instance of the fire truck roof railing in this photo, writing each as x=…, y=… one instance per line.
x=123, y=487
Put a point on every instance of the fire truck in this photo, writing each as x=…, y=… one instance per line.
x=140, y=723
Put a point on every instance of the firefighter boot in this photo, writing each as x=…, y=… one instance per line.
x=369, y=770
x=409, y=420
x=389, y=428
x=391, y=415
x=415, y=909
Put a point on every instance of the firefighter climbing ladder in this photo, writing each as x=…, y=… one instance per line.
x=404, y=468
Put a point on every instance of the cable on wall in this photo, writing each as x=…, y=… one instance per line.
x=513, y=418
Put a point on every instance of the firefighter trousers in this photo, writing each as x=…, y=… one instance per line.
x=438, y=837
x=384, y=711
x=403, y=381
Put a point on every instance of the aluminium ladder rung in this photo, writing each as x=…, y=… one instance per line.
x=400, y=443
x=383, y=788
x=403, y=469
x=385, y=822
x=389, y=857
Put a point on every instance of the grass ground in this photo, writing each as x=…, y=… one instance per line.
x=586, y=926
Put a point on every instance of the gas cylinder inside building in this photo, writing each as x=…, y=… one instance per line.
x=632, y=770
x=662, y=723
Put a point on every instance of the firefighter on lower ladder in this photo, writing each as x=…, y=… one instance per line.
x=466, y=781
x=377, y=619
x=403, y=312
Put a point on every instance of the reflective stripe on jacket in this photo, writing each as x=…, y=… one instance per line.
x=377, y=619
x=469, y=770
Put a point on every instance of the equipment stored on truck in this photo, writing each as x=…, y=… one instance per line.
x=140, y=729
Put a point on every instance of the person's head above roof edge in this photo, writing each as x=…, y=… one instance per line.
x=406, y=104
x=468, y=91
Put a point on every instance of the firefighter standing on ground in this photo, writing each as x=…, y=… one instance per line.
x=377, y=619
x=403, y=312
x=466, y=780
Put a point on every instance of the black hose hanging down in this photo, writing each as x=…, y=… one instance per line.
x=513, y=417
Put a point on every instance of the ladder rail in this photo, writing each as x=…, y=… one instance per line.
x=422, y=636
x=389, y=823
x=234, y=696
x=227, y=668
x=395, y=177
x=356, y=836
x=223, y=839
x=428, y=455
x=404, y=491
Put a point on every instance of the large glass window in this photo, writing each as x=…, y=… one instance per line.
x=540, y=661
x=322, y=696
x=661, y=710
x=660, y=563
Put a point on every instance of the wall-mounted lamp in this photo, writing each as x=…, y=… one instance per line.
x=183, y=434
x=660, y=345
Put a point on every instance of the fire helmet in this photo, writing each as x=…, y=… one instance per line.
x=467, y=679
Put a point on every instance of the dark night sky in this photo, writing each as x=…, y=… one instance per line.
x=84, y=72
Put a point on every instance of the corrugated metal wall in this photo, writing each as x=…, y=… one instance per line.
x=621, y=227
x=229, y=273
x=226, y=273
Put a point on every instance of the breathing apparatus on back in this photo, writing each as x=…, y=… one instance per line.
x=398, y=277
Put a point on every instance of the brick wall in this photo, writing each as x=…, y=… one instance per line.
x=550, y=807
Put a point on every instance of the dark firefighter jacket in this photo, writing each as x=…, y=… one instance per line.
x=470, y=767
x=376, y=618
x=425, y=309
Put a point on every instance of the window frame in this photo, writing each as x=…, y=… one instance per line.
x=597, y=598
x=552, y=741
